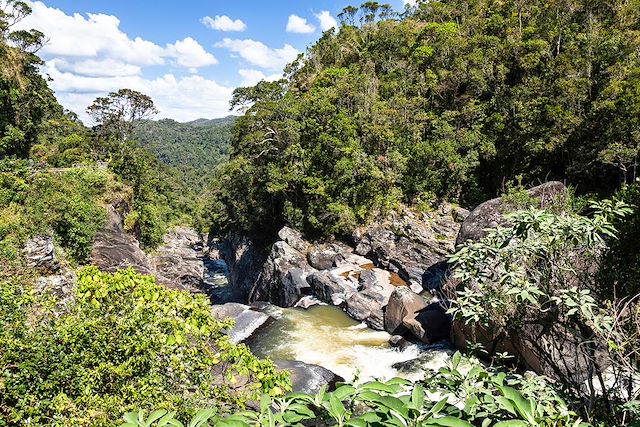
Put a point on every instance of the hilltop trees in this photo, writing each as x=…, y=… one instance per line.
x=451, y=99
x=116, y=113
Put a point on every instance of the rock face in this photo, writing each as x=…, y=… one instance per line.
x=39, y=253
x=308, y=378
x=409, y=243
x=282, y=280
x=113, y=248
x=180, y=259
x=177, y=264
x=387, y=256
x=403, y=302
x=490, y=214
x=244, y=259
x=247, y=321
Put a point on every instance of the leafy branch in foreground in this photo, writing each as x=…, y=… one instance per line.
x=463, y=394
x=532, y=289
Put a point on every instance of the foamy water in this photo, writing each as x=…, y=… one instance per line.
x=326, y=336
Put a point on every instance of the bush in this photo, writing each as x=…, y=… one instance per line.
x=123, y=343
x=463, y=394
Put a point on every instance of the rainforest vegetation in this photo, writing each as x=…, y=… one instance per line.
x=447, y=100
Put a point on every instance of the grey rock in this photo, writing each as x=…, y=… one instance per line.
x=113, y=249
x=398, y=341
x=402, y=303
x=435, y=277
x=429, y=325
x=307, y=378
x=368, y=306
x=61, y=287
x=180, y=258
x=407, y=244
x=244, y=259
x=324, y=257
x=308, y=301
x=490, y=214
x=327, y=287
x=294, y=239
x=39, y=253
x=282, y=280
x=246, y=320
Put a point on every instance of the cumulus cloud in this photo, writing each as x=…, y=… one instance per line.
x=89, y=56
x=409, y=2
x=259, y=54
x=224, y=23
x=326, y=20
x=251, y=77
x=189, y=53
x=299, y=25
x=98, y=37
x=179, y=98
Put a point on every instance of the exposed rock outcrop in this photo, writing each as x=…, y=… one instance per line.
x=245, y=260
x=395, y=253
x=408, y=244
x=114, y=249
x=490, y=214
x=247, y=321
x=39, y=253
x=307, y=378
x=180, y=258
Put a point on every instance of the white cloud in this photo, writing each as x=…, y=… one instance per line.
x=179, y=98
x=326, y=20
x=251, y=77
x=299, y=25
x=189, y=53
x=223, y=23
x=96, y=36
x=409, y=2
x=90, y=56
x=259, y=54
x=98, y=67
x=99, y=38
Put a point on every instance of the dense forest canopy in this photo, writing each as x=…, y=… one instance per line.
x=451, y=99
x=195, y=148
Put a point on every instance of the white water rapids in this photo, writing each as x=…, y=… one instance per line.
x=326, y=336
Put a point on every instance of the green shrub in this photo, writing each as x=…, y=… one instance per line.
x=123, y=343
x=464, y=394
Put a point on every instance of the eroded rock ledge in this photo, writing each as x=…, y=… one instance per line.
x=401, y=260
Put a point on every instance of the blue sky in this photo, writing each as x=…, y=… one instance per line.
x=188, y=55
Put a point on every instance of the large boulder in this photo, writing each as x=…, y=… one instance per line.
x=307, y=378
x=282, y=280
x=329, y=287
x=39, y=252
x=247, y=321
x=490, y=214
x=430, y=324
x=114, y=249
x=402, y=303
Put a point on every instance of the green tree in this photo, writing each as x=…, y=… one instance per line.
x=116, y=113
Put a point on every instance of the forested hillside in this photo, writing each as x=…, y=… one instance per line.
x=451, y=99
x=196, y=148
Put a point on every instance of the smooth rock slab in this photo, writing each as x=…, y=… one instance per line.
x=246, y=320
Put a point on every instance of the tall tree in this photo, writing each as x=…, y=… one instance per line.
x=116, y=113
